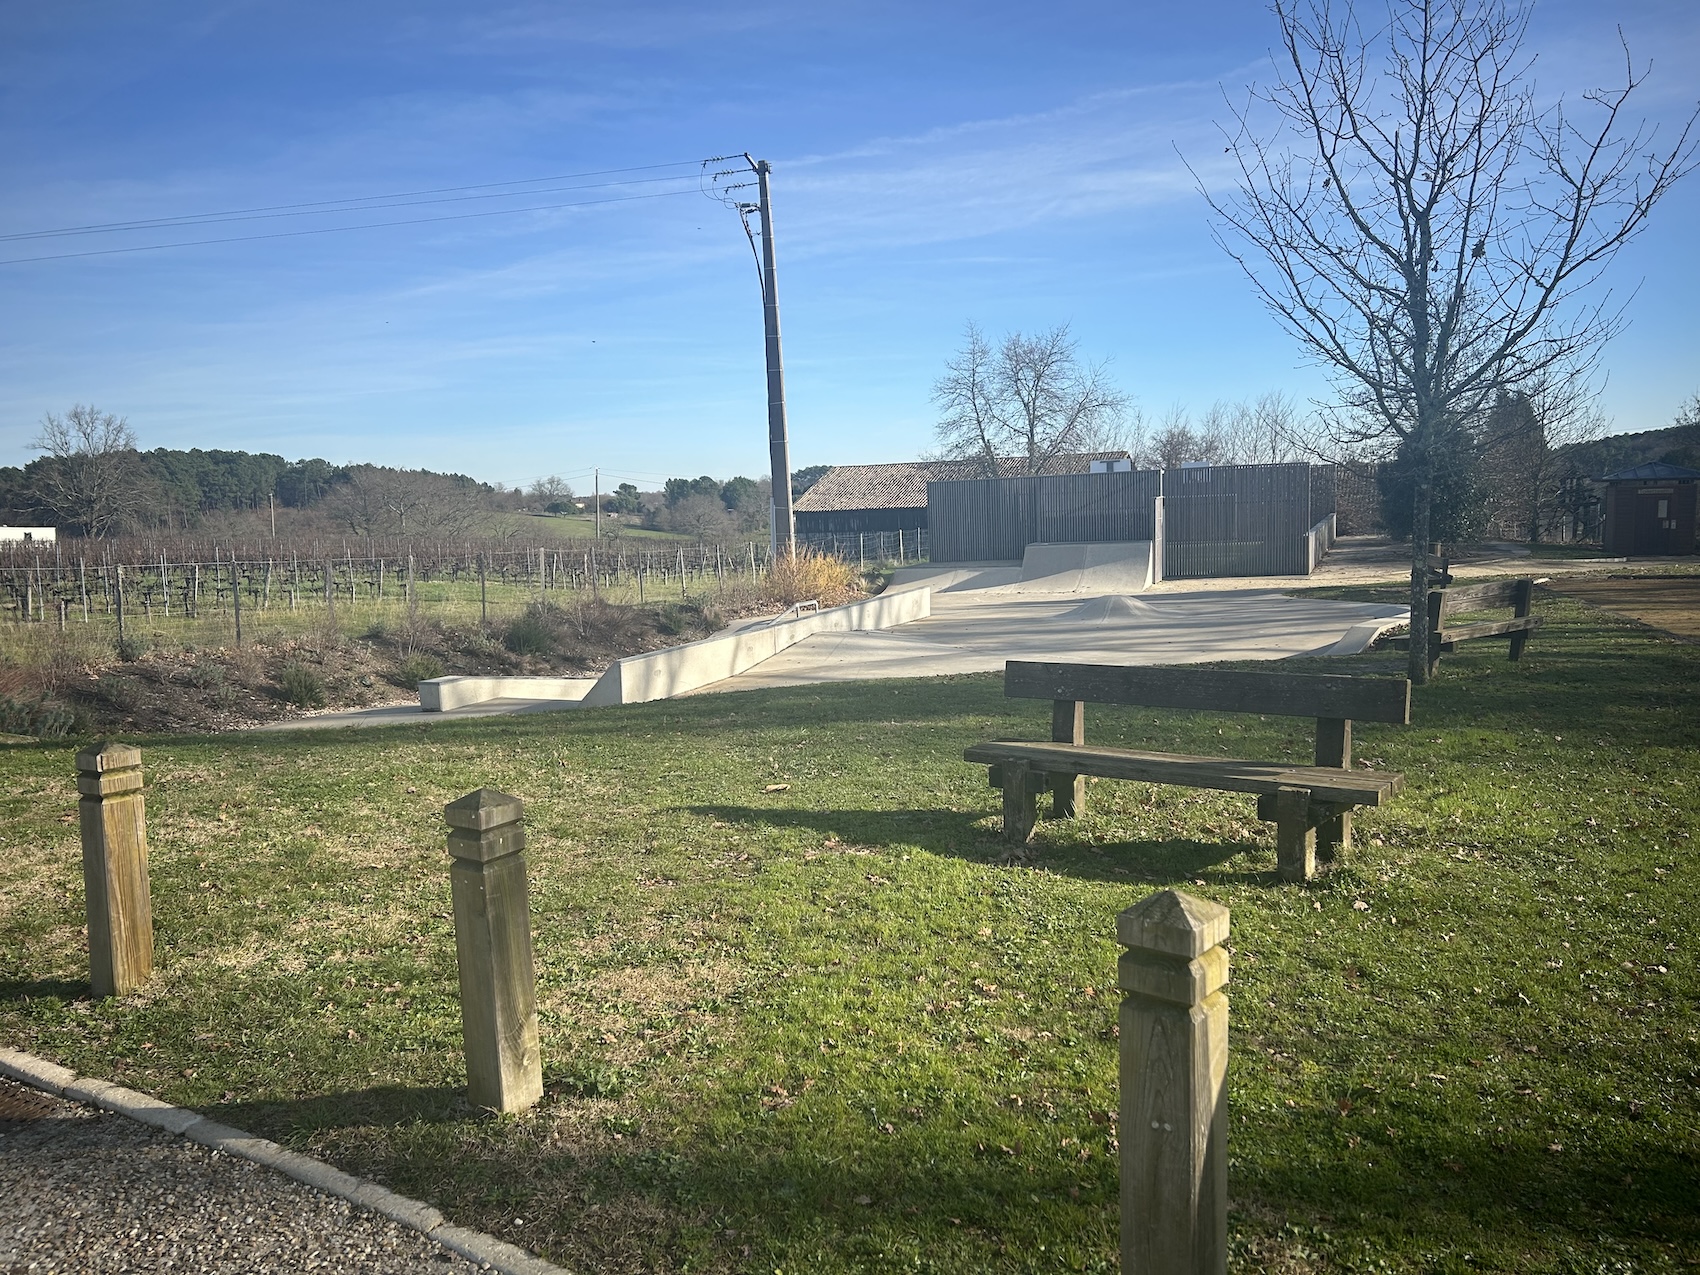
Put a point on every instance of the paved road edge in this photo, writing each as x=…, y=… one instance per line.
x=497, y=1255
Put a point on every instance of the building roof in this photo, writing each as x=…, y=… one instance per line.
x=903, y=485
x=1654, y=472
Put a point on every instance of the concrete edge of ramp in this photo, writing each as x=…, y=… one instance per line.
x=1361, y=636
x=637, y=679
x=445, y=694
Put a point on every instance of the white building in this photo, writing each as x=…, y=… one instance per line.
x=31, y=534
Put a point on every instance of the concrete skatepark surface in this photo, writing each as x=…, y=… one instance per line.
x=975, y=631
x=985, y=613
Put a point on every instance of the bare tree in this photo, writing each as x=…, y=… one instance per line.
x=550, y=490
x=1029, y=398
x=1424, y=229
x=379, y=501
x=90, y=473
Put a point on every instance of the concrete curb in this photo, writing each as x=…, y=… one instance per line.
x=492, y=1253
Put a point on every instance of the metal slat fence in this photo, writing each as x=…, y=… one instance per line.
x=995, y=519
x=1219, y=520
x=1229, y=520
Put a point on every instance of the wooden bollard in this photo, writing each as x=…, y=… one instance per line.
x=1174, y=1066
x=115, y=868
x=498, y=982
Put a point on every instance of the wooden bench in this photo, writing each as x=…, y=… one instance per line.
x=1311, y=806
x=1444, y=633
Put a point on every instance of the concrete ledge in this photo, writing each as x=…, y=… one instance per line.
x=638, y=679
x=416, y=1215
x=440, y=694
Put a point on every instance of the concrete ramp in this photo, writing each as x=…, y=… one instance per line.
x=1111, y=609
x=1122, y=566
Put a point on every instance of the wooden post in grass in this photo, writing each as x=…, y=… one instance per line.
x=1174, y=1066
x=115, y=868
x=498, y=984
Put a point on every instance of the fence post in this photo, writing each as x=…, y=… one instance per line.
x=498, y=983
x=483, y=598
x=118, y=576
x=1174, y=1065
x=115, y=868
x=236, y=597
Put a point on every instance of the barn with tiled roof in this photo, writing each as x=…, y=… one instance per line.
x=849, y=499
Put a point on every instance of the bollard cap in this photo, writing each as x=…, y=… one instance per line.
x=482, y=810
x=1173, y=923
x=109, y=755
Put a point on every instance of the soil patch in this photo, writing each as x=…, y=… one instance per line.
x=1671, y=603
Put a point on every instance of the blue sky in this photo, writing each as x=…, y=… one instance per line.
x=1011, y=164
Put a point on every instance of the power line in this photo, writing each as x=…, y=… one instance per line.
x=374, y=201
x=331, y=230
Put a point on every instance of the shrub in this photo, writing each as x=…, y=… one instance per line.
x=806, y=576
x=538, y=630
x=206, y=677
x=119, y=691
x=41, y=717
x=130, y=648
x=418, y=668
x=300, y=685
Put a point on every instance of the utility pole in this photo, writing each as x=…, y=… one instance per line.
x=784, y=533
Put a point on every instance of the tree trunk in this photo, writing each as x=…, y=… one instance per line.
x=1422, y=500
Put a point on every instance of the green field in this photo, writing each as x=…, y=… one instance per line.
x=830, y=1029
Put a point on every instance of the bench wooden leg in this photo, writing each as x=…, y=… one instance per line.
x=1068, y=726
x=1333, y=834
x=1020, y=802
x=1295, y=837
x=1068, y=796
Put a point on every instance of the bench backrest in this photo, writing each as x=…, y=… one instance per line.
x=1459, y=598
x=1321, y=695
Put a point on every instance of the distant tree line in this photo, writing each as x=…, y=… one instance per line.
x=91, y=479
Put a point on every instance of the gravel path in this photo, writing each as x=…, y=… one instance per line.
x=90, y=1192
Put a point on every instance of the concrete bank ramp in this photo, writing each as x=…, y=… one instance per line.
x=1121, y=567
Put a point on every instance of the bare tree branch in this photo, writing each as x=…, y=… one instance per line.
x=1425, y=231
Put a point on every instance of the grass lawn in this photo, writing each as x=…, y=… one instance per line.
x=825, y=1029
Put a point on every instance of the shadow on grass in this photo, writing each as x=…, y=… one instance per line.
x=16, y=991
x=969, y=1198
x=955, y=834
x=382, y=1106
x=1448, y=1189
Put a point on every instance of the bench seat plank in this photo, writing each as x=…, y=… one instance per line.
x=1490, y=628
x=1326, y=784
